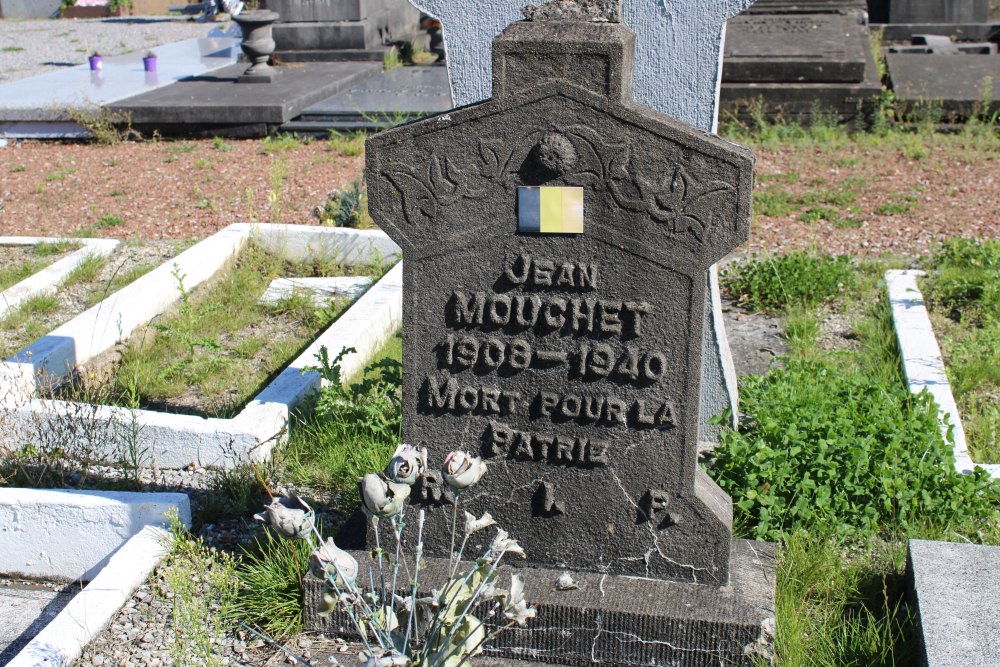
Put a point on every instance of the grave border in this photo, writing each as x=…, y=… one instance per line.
x=63, y=640
x=177, y=441
x=923, y=364
x=50, y=278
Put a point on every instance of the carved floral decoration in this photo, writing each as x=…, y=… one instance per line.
x=679, y=201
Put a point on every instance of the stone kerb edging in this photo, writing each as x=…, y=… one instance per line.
x=923, y=364
x=175, y=441
x=69, y=535
x=63, y=640
x=47, y=280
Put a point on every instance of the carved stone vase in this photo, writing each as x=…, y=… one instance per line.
x=258, y=44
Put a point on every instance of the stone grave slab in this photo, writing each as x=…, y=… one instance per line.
x=955, y=589
x=806, y=48
x=936, y=11
x=382, y=100
x=215, y=101
x=955, y=82
x=556, y=240
x=321, y=291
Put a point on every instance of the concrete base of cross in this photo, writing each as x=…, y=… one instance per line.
x=619, y=620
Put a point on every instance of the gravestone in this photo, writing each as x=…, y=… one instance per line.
x=814, y=48
x=341, y=29
x=556, y=241
x=683, y=85
x=936, y=11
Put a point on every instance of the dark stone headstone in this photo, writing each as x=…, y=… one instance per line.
x=937, y=11
x=566, y=350
x=855, y=7
x=806, y=48
x=570, y=361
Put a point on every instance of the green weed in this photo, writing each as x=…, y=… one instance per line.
x=86, y=271
x=270, y=576
x=220, y=145
x=283, y=142
x=108, y=220
x=772, y=283
x=353, y=429
x=15, y=273
x=18, y=168
x=201, y=588
x=52, y=248
x=350, y=144
x=836, y=452
x=349, y=208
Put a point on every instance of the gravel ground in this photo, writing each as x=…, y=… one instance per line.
x=33, y=47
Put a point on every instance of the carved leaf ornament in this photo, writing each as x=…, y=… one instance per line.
x=677, y=200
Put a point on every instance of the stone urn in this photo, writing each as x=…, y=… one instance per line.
x=258, y=44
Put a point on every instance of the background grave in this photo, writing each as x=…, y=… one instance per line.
x=173, y=440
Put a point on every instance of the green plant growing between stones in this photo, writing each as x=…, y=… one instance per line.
x=348, y=208
x=349, y=144
x=201, y=587
x=397, y=622
x=190, y=316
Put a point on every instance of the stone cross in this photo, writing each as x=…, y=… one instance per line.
x=556, y=241
x=678, y=69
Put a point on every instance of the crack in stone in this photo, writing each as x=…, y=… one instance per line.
x=656, y=544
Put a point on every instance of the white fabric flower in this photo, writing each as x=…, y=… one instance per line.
x=381, y=497
x=407, y=464
x=330, y=562
x=462, y=470
x=504, y=543
x=289, y=516
x=517, y=609
x=472, y=524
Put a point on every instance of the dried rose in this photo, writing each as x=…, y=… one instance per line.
x=330, y=562
x=381, y=497
x=462, y=470
x=407, y=464
x=289, y=516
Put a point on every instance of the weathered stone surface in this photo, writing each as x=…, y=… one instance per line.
x=935, y=11
x=795, y=48
x=955, y=588
x=572, y=362
x=618, y=620
x=953, y=83
x=328, y=26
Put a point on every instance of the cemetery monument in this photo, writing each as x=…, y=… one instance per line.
x=556, y=239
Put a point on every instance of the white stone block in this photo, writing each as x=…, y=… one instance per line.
x=71, y=534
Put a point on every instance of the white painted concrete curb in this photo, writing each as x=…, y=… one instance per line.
x=63, y=640
x=48, y=280
x=70, y=534
x=175, y=441
x=923, y=364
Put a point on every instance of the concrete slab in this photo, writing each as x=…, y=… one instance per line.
x=923, y=364
x=383, y=100
x=215, y=98
x=26, y=608
x=815, y=48
x=320, y=291
x=955, y=589
x=46, y=97
x=955, y=82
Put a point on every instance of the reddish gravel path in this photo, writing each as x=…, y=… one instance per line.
x=895, y=195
